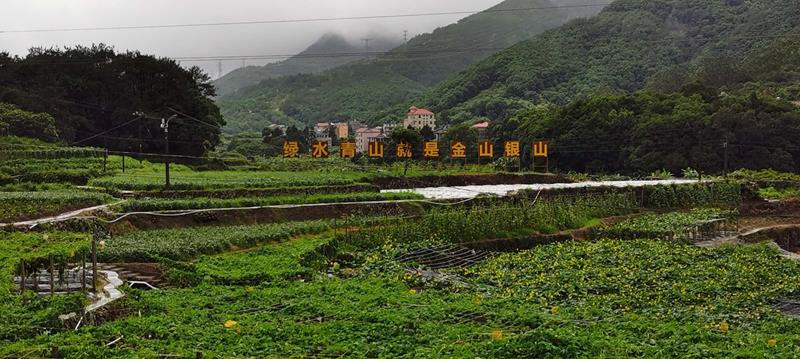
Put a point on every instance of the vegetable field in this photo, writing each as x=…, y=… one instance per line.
x=544, y=276
x=603, y=299
x=18, y=206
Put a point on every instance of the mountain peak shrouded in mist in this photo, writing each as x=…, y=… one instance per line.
x=369, y=90
x=331, y=50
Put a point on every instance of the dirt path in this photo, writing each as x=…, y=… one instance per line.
x=61, y=217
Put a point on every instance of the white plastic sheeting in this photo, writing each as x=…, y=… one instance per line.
x=464, y=192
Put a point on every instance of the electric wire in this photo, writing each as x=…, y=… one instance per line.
x=300, y=20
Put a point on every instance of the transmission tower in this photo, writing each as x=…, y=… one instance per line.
x=366, y=47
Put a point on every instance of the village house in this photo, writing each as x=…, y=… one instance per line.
x=419, y=118
x=322, y=129
x=366, y=135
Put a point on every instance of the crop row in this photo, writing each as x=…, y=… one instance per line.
x=150, y=181
x=207, y=203
x=503, y=220
x=17, y=206
x=263, y=192
x=186, y=243
x=779, y=194
x=51, y=153
x=654, y=226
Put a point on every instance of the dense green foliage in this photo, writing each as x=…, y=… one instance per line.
x=90, y=90
x=18, y=206
x=370, y=91
x=643, y=132
x=204, y=203
x=17, y=122
x=187, y=243
x=628, y=44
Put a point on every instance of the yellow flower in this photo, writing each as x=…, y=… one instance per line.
x=249, y=289
x=230, y=324
x=772, y=342
x=476, y=300
x=554, y=310
x=723, y=327
x=412, y=291
x=497, y=334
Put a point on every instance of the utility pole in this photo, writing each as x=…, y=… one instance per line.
x=165, y=126
x=725, y=156
x=405, y=35
x=140, y=115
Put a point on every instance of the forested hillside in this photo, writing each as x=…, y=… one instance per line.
x=330, y=51
x=88, y=96
x=371, y=91
x=645, y=131
x=662, y=44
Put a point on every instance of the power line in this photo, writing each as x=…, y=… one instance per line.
x=104, y=132
x=404, y=55
x=300, y=20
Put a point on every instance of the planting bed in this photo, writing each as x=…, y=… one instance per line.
x=20, y=206
x=207, y=203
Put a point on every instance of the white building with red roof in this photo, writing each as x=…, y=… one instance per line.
x=419, y=118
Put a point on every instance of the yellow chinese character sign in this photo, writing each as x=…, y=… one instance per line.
x=347, y=149
x=458, y=150
x=319, y=149
x=375, y=149
x=486, y=149
x=403, y=150
x=511, y=149
x=430, y=149
x=291, y=149
x=540, y=149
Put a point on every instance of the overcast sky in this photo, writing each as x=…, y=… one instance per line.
x=238, y=40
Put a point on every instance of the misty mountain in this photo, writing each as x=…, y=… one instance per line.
x=366, y=90
x=631, y=45
x=330, y=51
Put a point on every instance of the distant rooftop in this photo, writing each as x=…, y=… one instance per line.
x=484, y=124
x=419, y=111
